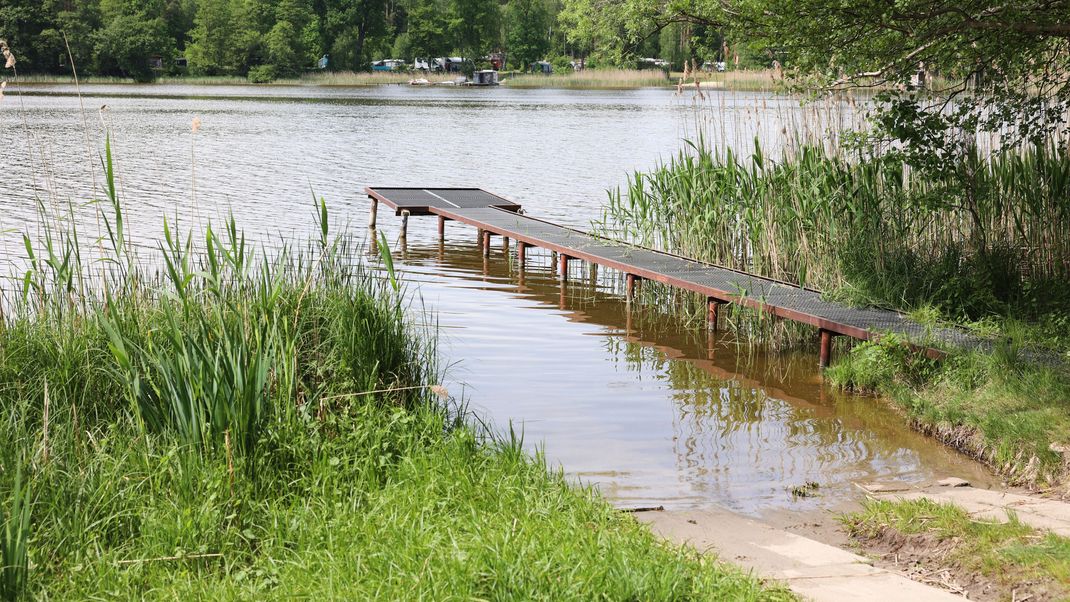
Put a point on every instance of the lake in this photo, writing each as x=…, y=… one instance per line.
x=651, y=411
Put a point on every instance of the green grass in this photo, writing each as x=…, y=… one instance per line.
x=1008, y=553
x=997, y=407
x=214, y=422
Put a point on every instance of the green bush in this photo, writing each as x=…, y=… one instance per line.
x=262, y=74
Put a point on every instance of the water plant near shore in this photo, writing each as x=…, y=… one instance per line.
x=868, y=230
x=864, y=228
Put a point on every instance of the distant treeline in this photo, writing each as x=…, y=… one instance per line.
x=275, y=38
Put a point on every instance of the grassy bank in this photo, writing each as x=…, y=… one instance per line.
x=213, y=422
x=591, y=79
x=984, y=248
x=999, y=407
x=993, y=560
x=594, y=79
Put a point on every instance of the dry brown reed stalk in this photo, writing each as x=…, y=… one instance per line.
x=230, y=461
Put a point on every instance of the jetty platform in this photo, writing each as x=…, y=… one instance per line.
x=494, y=215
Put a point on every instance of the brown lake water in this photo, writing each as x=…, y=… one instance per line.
x=650, y=410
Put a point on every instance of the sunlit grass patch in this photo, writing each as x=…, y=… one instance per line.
x=608, y=79
x=1010, y=554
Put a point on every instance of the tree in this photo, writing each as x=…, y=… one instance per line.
x=349, y=26
x=73, y=24
x=128, y=42
x=211, y=50
x=527, y=26
x=428, y=29
x=474, y=26
x=21, y=24
x=1004, y=62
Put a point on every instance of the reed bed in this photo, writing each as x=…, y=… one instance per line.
x=746, y=80
x=605, y=79
x=865, y=227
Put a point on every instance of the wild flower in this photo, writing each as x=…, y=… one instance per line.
x=196, y=125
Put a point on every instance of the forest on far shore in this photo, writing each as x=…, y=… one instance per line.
x=281, y=38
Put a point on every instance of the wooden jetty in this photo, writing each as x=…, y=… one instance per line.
x=494, y=215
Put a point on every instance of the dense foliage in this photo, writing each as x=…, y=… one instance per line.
x=285, y=37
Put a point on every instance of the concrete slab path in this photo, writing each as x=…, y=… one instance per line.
x=1040, y=513
x=814, y=570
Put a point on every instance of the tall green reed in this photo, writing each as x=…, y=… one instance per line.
x=862, y=225
x=14, y=549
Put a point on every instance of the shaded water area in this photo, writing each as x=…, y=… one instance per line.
x=651, y=410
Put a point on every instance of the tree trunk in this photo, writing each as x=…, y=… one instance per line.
x=362, y=33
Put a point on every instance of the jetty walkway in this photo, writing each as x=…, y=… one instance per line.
x=494, y=215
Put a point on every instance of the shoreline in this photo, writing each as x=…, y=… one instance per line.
x=608, y=79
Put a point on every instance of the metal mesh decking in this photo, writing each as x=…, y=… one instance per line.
x=422, y=200
x=792, y=302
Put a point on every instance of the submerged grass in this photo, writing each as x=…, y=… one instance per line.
x=1020, y=560
x=217, y=421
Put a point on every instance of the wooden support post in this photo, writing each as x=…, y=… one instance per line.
x=826, y=348
x=441, y=228
x=372, y=212
x=631, y=280
x=479, y=235
x=404, y=224
x=714, y=305
x=521, y=253
x=563, y=265
x=505, y=245
x=486, y=243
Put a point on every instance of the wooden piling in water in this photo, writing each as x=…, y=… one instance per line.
x=441, y=228
x=826, y=348
x=404, y=224
x=630, y=282
x=713, y=308
x=486, y=242
x=521, y=253
x=563, y=265
x=371, y=213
